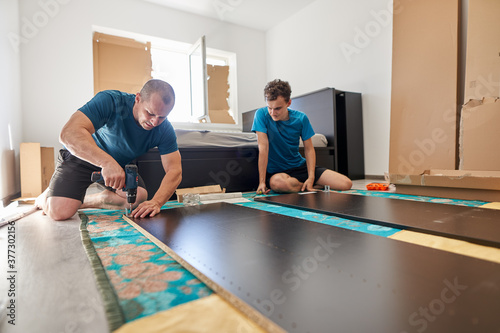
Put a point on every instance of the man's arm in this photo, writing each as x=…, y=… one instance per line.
x=263, y=143
x=173, y=176
x=76, y=136
x=310, y=156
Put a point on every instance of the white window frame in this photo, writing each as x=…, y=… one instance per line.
x=198, y=82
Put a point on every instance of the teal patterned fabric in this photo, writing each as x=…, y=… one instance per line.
x=322, y=218
x=145, y=279
x=470, y=203
x=349, y=224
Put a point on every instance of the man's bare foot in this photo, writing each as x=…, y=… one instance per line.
x=41, y=200
x=104, y=200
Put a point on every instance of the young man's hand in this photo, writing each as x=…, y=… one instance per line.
x=262, y=189
x=308, y=185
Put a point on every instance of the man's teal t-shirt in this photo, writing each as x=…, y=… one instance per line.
x=284, y=138
x=118, y=134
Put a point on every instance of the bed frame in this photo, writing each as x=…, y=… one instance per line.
x=333, y=113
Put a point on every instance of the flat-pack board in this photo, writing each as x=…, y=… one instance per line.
x=304, y=276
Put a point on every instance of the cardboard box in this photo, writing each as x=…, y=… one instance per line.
x=482, y=68
x=37, y=167
x=424, y=86
x=428, y=141
x=455, y=184
x=198, y=190
x=480, y=135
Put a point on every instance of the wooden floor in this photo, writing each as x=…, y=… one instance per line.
x=55, y=290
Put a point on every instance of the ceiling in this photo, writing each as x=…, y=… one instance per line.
x=255, y=14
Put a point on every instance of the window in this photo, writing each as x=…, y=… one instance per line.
x=204, y=79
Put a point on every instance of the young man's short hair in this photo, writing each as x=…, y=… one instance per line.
x=277, y=88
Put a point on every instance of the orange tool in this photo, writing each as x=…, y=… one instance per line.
x=377, y=187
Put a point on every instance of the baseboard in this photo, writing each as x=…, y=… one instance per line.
x=8, y=199
x=375, y=177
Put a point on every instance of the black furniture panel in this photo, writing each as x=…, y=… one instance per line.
x=349, y=126
x=311, y=277
x=478, y=225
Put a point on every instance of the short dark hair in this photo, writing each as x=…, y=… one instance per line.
x=161, y=87
x=277, y=88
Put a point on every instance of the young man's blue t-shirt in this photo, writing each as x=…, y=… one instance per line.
x=284, y=138
x=118, y=134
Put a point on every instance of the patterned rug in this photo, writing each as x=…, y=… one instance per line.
x=137, y=279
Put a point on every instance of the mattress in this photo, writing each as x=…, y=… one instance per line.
x=197, y=139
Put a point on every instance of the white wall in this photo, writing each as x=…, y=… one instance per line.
x=307, y=50
x=56, y=58
x=57, y=73
x=10, y=95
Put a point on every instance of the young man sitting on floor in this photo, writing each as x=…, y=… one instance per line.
x=279, y=129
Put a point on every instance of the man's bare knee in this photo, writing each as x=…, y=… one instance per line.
x=277, y=183
x=345, y=185
x=59, y=215
x=60, y=209
x=335, y=180
x=274, y=184
x=283, y=183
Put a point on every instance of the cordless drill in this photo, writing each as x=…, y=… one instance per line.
x=131, y=181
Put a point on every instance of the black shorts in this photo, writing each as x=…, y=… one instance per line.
x=71, y=177
x=300, y=173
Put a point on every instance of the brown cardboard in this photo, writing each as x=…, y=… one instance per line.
x=218, y=93
x=456, y=184
x=37, y=167
x=424, y=86
x=482, y=74
x=220, y=117
x=198, y=190
x=120, y=63
x=218, y=87
x=480, y=135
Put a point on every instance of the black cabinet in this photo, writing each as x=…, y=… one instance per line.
x=337, y=115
